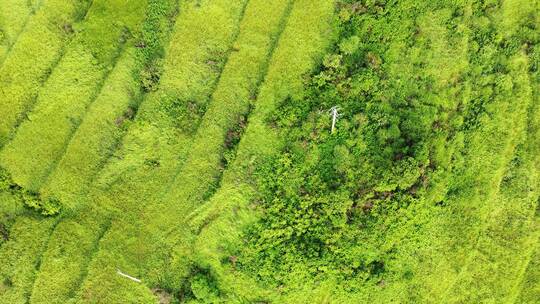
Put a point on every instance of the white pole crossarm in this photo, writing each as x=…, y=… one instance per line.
x=334, y=112
x=127, y=276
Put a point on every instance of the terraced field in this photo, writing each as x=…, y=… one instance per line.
x=182, y=151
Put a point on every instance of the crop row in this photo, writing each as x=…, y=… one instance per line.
x=32, y=58
x=219, y=223
x=74, y=84
x=148, y=157
x=237, y=87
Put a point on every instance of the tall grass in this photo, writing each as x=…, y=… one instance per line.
x=97, y=136
x=73, y=86
x=107, y=120
x=20, y=257
x=14, y=15
x=151, y=151
x=32, y=59
x=230, y=103
x=219, y=222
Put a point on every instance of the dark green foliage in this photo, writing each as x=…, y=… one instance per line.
x=160, y=17
x=184, y=114
x=32, y=200
x=420, y=86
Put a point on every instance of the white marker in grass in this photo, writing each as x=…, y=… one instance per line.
x=334, y=112
x=127, y=276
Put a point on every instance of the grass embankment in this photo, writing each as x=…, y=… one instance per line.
x=73, y=238
x=97, y=136
x=21, y=256
x=14, y=15
x=111, y=114
x=153, y=147
x=32, y=59
x=220, y=127
x=218, y=224
x=76, y=238
x=35, y=52
x=35, y=240
x=75, y=83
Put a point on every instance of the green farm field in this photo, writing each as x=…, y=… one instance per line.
x=269, y=151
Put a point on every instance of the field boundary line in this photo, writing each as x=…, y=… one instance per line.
x=215, y=85
x=99, y=89
x=29, y=106
x=264, y=72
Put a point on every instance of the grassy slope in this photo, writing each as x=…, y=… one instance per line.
x=91, y=222
x=182, y=176
x=74, y=85
x=229, y=105
x=219, y=221
x=40, y=234
x=466, y=241
x=187, y=73
x=529, y=287
x=23, y=249
x=97, y=136
x=21, y=257
x=485, y=192
x=110, y=116
x=14, y=15
x=66, y=263
x=21, y=73
x=508, y=225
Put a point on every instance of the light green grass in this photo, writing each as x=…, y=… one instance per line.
x=155, y=144
x=63, y=265
x=237, y=86
x=20, y=257
x=506, y=211
x=75, y=83
x=150, y=152
x=32, y=59
x=529, y=286
x=89, y=220
x=97, y=136
x=220, y=221
x=14, y=15
x=74, y=240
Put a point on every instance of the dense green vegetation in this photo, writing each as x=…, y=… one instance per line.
x=182, y=151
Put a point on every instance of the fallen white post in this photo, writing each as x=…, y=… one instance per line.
x=127, y=276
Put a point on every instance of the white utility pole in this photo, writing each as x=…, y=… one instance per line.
x=334, y=112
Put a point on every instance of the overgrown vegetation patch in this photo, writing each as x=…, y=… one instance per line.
x=287, y=151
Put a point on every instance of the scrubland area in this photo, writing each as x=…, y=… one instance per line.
x=182, y=151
